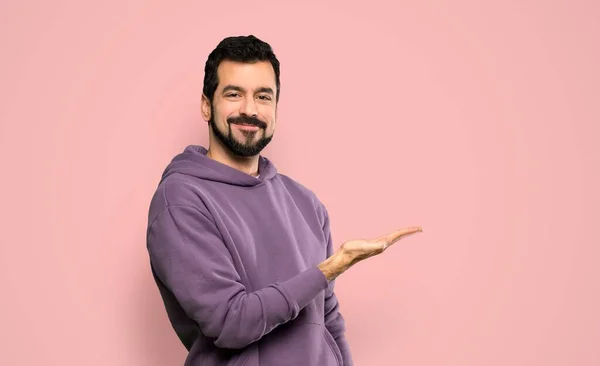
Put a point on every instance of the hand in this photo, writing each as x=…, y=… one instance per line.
x=358, y=250
x=354, y=251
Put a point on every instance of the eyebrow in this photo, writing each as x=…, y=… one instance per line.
x=241, y=90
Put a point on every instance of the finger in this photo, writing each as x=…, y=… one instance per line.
x=393, y=237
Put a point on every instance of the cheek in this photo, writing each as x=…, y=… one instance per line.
x=271, y=117
x=272, y=124
x=224, y=111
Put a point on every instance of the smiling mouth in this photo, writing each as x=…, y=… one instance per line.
x=246, y=127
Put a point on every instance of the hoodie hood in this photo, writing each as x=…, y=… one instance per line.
x=194, y=162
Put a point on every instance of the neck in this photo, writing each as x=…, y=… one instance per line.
x=220, y=153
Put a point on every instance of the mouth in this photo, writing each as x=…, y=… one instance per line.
x=246, y=127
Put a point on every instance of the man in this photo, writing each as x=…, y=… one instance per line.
x=243, y=255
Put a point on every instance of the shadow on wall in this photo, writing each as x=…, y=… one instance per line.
x=156, y=339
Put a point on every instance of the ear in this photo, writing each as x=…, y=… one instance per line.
x=205, y=108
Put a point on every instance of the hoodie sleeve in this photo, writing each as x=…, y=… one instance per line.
x=334, y=321
x=190, y=258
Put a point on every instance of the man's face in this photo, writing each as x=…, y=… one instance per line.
x=243, y=112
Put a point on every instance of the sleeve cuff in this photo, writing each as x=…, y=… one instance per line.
x=302, y=289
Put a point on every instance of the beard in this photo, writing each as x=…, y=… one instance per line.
x=242, y=148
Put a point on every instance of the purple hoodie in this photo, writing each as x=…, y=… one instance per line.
x=235, y=259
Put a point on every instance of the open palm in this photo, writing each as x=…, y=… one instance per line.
x=364, y=248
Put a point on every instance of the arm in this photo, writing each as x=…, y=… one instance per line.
x=189, y=257
x=334, y=321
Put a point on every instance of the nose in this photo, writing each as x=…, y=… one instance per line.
x=248, y=107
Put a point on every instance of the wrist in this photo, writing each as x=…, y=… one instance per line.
x=335, y=265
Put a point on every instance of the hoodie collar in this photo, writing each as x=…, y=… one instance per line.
x=193, y=161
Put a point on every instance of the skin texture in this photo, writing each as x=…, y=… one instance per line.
x=246, y=94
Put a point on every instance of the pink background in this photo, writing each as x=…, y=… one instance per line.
x=478, y=122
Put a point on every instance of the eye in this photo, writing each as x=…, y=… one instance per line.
x=232, y=95
x=264, y=97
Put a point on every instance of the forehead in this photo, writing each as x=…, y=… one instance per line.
x=248, y=75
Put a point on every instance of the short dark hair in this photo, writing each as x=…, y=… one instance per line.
x=241, y=49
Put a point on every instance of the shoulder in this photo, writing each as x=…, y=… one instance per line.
x=176, y=190
x=302, y=192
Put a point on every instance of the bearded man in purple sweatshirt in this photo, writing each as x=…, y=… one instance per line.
x=243, y=255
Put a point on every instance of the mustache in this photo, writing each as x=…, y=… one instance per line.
x=253, y=121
